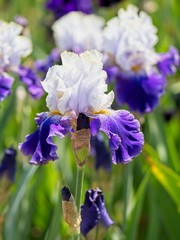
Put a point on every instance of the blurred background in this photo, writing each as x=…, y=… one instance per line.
x=143, y=197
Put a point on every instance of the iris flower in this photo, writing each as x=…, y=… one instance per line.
x=77, y=101
x=139, y=72
x=78, y=32
x=13, y=46
x=93, y=211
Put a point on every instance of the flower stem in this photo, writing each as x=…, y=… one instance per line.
x=79, y=188
x=128, y=179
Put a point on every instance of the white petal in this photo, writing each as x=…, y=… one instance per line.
x=78, y=85
x=130, y=39
x=78, y=32
x=13, y=46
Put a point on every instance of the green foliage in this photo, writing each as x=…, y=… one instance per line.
x=143, y=198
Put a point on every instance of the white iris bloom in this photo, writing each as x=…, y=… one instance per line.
x=130, y=39
x=78, y=85
x=78, y=32
x=13, y=46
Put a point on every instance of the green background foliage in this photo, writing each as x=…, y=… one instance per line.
x=143, y=197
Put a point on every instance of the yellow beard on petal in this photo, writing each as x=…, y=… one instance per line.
x=106, y=112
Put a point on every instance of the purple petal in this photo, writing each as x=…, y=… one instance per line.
x=6, y=82
x=62, y=7
x=93, y=211
x=112, y=72
x=123, y=130
x=8, y=164
x=104, y=216
x=39, y=144
x=43, y=65
x=101, y=154
x=21, y=20
x=140, y=93
x=31, y=80
x=169, y=61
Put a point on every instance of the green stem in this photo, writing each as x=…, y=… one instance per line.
x=127, y=192
x=79, y=188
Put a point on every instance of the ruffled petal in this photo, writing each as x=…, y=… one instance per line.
x=6, y=82
x=168, y=61
x=39, y=144
x=123, y=130
x=140, y=93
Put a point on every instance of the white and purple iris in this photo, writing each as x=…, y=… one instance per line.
x=76, y=95
x=78, y=32
x=139, y=72
x=13, y=46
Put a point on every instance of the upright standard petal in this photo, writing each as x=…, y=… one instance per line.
x=78, y=32
x=123, y=130
x=39, y=144
x=140, y=92
x=93, y=211
x=13, y=46
x=6, y=82
x=78, y=85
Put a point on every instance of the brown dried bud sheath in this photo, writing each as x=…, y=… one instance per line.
x=70, y=212
x=81, y=145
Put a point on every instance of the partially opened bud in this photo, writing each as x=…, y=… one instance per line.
x=70, y=212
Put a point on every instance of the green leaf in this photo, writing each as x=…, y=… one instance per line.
x=134, y=215
x=169, y=179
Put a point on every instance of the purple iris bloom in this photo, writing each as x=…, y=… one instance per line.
x=44, y=64
x=100, y=152
x=8, y=164
x=93, y=211
x=62, y=7
x=6, y=82
x=30, y=78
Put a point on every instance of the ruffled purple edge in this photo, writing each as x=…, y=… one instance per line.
x=39, y=144
x=123, y=130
